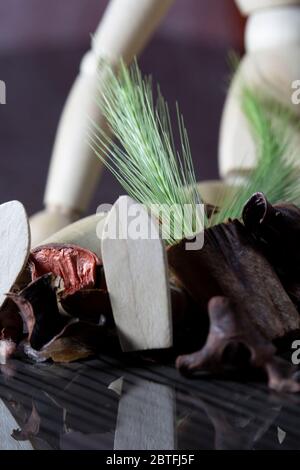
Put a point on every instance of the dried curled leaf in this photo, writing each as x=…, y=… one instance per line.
x=39, y=310
x=234, y=342
x=52, y=335
x=74, y=264
x=77, y=340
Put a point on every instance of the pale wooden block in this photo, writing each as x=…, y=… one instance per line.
x=47, y=222
x=8, y=424
x=14, y=245
x=215, y=192
x=86, y=233
x=146, y=417
x=137, y=280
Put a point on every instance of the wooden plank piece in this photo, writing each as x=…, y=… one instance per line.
x=137, y=280
x=14, y=244
x=146, y=417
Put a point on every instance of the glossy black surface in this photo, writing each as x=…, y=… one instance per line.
x=103, y=404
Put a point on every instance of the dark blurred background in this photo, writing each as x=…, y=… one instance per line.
x=41, y=45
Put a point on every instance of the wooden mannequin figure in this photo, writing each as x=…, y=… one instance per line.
x=271, y=64
x=74, y=172
x=272, y=61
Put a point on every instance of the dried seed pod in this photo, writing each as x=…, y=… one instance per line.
x=187, y=320
x=75, y=265
x=234, y=342
x=277, y=230
x=276, y=227
x=282, y=219
x=90, y=305
x=231, y=265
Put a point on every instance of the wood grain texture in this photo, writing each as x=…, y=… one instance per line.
x=146, y=417
x=14, y=246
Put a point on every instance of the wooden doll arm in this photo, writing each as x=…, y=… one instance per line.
x=74, y=170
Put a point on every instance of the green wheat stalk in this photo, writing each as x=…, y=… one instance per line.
x=144, y=158
x=275, y=175
x=152, y=171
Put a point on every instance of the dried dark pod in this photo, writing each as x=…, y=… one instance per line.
x=276, y=227
x=90, y=305
x=190, y=328
x=38, y=307
x=74, y=264
x=277, y=231
x=231, y=265
x=234, y=343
